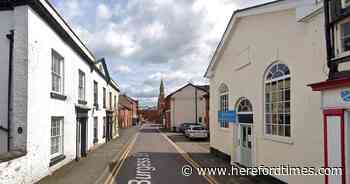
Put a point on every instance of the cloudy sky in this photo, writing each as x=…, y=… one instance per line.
x=144, y=41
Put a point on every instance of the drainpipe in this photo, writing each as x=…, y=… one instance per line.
x=195, y=101
x=9, y=104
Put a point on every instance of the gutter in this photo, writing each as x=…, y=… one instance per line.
x=9, y=93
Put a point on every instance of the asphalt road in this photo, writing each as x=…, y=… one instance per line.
x=153, y=159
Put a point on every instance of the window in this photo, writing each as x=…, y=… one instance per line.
x=277, y=101
x=95, y=130
x=345, y=3
x=104, y=127
x=104, y=97
x=110, y=100
x=223, y=102
x=57, y=71
x=56, y=137
x=95, y=94
x=343, y=38
x=81, y=86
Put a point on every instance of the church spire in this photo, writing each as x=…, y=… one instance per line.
x=161, y=95
x=161, y=89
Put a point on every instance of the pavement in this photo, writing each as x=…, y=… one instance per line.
x=154, y=159
x=93, y=169
x=199, y=151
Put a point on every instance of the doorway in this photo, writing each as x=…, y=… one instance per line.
x=109, y=128
x=245, y=144
x=245, y=126
x=81, y=132
x=81, y=137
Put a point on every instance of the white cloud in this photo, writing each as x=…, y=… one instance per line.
x=123, y=69
x=103, y=12
x=154, y=31
x=157, y=39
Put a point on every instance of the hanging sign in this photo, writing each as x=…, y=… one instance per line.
x=228, y=116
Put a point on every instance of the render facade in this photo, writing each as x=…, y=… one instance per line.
x=186, y=105
x=49, y=115
x=260, y=71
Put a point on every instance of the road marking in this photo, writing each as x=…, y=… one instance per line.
x=187, y=157
x=144, y=169
x=120, y=162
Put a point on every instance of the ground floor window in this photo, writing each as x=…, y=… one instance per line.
x=95, y=130
x=56, y=136
x=224, y=108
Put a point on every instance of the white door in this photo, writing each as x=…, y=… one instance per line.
x=245, y=144
x=245, y=119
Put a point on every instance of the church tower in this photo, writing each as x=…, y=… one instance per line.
x=161, y=96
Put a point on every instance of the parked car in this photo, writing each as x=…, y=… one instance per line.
x=196, y=131
x=184, y=126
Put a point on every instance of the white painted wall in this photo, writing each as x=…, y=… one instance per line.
x=32, y=99
x=183, y=106
x=271, y=37
x=100, y=113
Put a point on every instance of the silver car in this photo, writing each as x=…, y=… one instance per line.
x=196, y=131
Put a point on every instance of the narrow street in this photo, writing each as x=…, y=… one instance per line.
x=153, y=159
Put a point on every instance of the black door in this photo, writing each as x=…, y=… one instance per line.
x=108, y=128
x=83, y=139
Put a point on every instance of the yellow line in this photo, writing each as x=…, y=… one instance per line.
x=187, y=157
x=121, y=161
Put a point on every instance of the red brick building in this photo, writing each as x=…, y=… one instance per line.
x=166, y=110
x=150, y=115
x=127, y=111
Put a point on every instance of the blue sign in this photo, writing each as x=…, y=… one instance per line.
x=345, y=95
x=228, y=116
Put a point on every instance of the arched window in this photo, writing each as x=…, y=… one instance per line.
x=244, y=111
x=277, y=100
x=223, y=103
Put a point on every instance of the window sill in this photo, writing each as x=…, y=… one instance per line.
x=56, y=160
x=82, y=102
x=4, y=157
x=58, y=96
x=278, y=139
